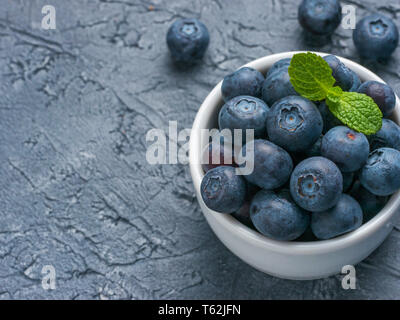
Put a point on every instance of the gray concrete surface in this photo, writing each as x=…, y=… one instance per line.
x=76, y=191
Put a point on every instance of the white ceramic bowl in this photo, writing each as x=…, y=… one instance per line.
x=290, y=260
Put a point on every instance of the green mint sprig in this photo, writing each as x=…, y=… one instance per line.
x=312, y=78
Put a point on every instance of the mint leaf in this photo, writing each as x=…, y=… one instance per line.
x=356, y=110
x=311, y=76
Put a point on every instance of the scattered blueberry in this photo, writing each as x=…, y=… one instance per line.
x=243, y=82
x=388, y=136
x=381, y=174
x=376, y=37
x=294, y=123
x=345, y=147
x=187, y=40
x=320, y=17
x=277, y=86
x=222, y=190
x=346, y=216
x=382, y=94
x=275, y=215
x=272, y=164
x=244, y=112
x=316, y=184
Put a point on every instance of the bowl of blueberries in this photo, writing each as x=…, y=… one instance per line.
x=321, y=194
x=295, y=157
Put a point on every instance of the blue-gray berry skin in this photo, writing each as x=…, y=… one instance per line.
x=381, y=173
x=277, y=86
x=342, y=74
x=276, y=216
x=272, y=164
x=320, y=17
x=316, y=184
x=370, y=203
x=187, y=40
x=356, y=82
x=388, y=136
x=243, y=82
x=382, y=94
x=222, y=190
x=294, y=123
x=330, y=121
x=346, y=216
x=345, y=147
x=376, y=37
x=283, y=63
x=244, y=112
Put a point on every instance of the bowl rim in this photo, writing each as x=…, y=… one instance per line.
x=212, y=101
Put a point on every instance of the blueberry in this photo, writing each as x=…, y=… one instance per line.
x=283, y=63
x=381, y=174
x=347, y=148
x=277, y=85
x=388, y=136
x=222, y=190
x=316, y=184
x=342, y=74
x=376, y=37
x=330, y=121
x=244, y=112
x=294, y=123
x=348, y=178
x=382, y=94
x=346, y=216
x=370, y=203
x=243, y=82
x=277, y=216
x=187, y=40
x=320, y=17
x=217, y=154
x=272, y=164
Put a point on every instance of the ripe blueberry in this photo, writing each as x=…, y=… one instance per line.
x=294, y=123
x=272, y=164
x=244, y=112
x=346, y=216
x=345, y=147
x=376, y=37
x=316, y=184
x=222, y=190
x=388, y=136
x=243, y=82
x=382, y=94
x=320, y=17
x=381, y=173
x=187, y=40
x=276, y=215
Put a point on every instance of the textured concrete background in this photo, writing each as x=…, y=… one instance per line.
x=76, y=191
